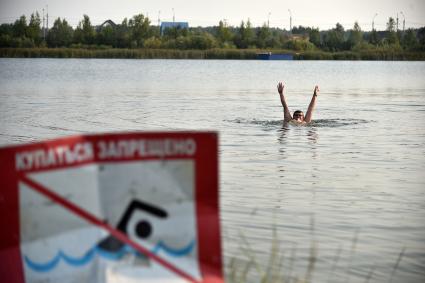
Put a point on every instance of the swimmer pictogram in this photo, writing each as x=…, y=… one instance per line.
x=113, y=249
x=119, y=235
x=143, y=228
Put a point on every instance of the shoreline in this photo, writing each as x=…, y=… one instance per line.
x=226, y=54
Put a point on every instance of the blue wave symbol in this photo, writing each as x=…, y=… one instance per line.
x=173, y=252
x=43, y=267
x=114, y=256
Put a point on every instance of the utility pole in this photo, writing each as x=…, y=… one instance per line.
x=290, y=21
x=159, y=21
x=404, y=20
x=397, y=21
x=44, y=29
x=173, y=16
x=373, y=21
x=47, y=19
x=268, y=20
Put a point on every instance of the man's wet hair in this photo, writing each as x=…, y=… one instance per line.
x=298, y=112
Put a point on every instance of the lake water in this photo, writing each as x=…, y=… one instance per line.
x=349, y=188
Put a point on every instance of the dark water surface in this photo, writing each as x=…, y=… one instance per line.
x=351, y=185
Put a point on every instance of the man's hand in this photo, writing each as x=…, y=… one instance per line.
x=280, y=87
x=286, y=114
x=310, y=109
x=316, y=90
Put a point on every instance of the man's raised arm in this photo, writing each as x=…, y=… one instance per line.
x=310, y=109
x=286, y=114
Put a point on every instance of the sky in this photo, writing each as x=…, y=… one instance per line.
x=323, y=14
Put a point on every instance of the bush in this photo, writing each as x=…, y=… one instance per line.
x=228, y=45
x=153, y=43
x=16, y=42
x=27, y=42
x=363, y=46
x=5, y=40
x=203, y=41
x=299, y=45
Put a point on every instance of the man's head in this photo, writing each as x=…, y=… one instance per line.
x=298, y=116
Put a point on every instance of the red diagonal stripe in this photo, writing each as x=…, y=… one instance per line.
x=96, y=221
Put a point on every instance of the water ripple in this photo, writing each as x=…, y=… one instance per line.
x=96, y=250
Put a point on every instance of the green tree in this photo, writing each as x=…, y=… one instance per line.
x=123, y=37
x=6, y=35
x=300, y=30
x=373, y=37
x=34, y=29
x=175, y=32
x=391, y=25
x=153, y=43
x=249, y=34
x=20, y=27
x=6, y=29
x=181, y=42
x=85, y=32
x=421, y=37
x=263, y=36
x=224, y=34
x=107, y=36
x=356, y=36
x=139, y=27
x=314, y=37
x=299, y=45
x=202, y=41
x=5, y=40
x=277, y=39
x=154, y=31
x=409, y=40
x=60, y=35
x=245, y=36
x=391, y=35
x=334, y=39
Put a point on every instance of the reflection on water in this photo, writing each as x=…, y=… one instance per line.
x=312, y=136
x=356, y=170
x=337, y=122
x=285, y=132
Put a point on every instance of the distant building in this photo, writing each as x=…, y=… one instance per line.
x=105, y=24
x=299, y=37
x=165, y=25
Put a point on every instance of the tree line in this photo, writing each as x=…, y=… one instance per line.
x=137, y=32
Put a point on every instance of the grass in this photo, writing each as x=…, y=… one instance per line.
x=240, y=271
x=381, y=55
x=400, y=256
x=115, y=53
x=239, y=54
x=248, y=268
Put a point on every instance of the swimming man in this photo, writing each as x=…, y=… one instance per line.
x=298, y=116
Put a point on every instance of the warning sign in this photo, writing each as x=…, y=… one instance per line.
x=134, y=207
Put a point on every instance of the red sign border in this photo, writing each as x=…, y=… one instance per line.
x=206, y=183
